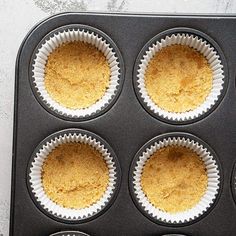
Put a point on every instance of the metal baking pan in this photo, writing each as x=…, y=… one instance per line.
x=126, y=126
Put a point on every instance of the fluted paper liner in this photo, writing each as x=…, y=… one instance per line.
x=35, y=178
x=233, y=183
x=72, y=35
x=205, y=202
x=214, y=61
x=69, y=233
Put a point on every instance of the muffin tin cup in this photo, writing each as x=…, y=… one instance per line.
x=69, y=233
x=34, y=176
x=233, y=182
x=213, y=172
x=73, y=33
x=197, y=41
x=174, y=235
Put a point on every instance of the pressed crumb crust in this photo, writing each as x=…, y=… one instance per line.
x=77, y=75
x=174, y=179
x=75, y=175
x=178, y=78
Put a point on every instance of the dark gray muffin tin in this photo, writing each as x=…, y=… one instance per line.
x=126, y=126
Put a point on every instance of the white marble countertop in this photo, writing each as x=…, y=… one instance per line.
x=18, y=16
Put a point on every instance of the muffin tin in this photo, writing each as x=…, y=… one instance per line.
x=125, y=125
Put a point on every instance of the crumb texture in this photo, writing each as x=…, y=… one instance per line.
x=77, y=75
x=174, y=179
x=178, y=78
x=75, y=175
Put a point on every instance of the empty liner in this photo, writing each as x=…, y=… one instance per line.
x=87, y=35
x=202, y=46
x=69, y=233
x=205, y=202
x=35, y=175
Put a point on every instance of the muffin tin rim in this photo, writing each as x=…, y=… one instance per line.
x=159, y=138
x=117, y=184
x=117, y=51
x=161, y=35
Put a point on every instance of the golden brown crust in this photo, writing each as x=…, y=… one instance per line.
x=174, y=179
x=178, y=78
x=75, y=175
x=77, y=75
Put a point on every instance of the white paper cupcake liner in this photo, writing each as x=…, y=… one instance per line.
x=69, y=233
x=72, y=35
x=205, y=202
x=233, y=183
x=214, y=61
x=35, y=178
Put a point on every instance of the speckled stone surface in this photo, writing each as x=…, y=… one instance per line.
x=16, y=19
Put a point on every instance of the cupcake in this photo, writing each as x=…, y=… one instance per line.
x=77, y=72
x=179, y=76
x=175, y=179
x=73, y=175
